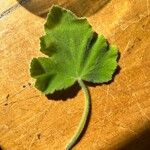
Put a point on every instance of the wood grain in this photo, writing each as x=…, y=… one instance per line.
x=120, y=117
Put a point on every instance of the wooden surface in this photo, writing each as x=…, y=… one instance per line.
x=120, y=116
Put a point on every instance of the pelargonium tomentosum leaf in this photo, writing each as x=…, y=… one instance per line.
x=74, y=52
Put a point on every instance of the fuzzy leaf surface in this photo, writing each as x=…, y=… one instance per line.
x=73, y=52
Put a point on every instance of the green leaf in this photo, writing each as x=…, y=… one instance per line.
x=73, y=53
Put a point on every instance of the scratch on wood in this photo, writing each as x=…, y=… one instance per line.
x=32, y=141
x=7, y=96
x=26, y=122
x=144, y=75
x=20, y=137
x=9, y=10
x=142, y=111
x=124, y=26
x=123, y=126
x=11, y=96
x=148, y=12
x=12, y=8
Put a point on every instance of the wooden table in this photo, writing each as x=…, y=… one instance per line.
x=120, y=117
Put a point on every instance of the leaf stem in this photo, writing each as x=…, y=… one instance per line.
x=84, y=117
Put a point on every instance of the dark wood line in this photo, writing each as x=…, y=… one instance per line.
x=12, y=8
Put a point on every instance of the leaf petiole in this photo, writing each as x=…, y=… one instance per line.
x=84, y=117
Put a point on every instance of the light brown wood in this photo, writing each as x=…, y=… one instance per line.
x=120, y=116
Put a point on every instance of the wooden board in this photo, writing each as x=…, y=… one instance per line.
x=120, y=116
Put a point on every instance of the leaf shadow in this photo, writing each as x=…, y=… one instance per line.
x=64, y=94
x=141, y=141
x=79, y=7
